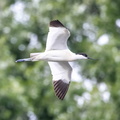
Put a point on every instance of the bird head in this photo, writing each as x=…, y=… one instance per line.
x=85, y=56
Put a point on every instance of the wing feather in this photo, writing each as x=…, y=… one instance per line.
x=61, y=88
x=57, y=40
x=57, y=36
x=61, y=72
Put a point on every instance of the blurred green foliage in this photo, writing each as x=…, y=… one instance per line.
x=26, y=91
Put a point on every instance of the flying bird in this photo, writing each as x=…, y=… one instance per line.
x=58, y=56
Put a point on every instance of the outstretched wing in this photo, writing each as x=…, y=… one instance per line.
x=57, y=36
x=61, y=72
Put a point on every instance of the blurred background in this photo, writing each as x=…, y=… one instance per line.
x=26, y=90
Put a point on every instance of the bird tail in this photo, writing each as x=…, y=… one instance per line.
x=35, y=56
x=23, y=60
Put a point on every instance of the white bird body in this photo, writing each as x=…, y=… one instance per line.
x=57, y=55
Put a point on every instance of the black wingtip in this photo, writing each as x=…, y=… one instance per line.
x=60, y=88
x=56, y=23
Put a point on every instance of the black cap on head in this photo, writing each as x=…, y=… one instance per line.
x=83, y=54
